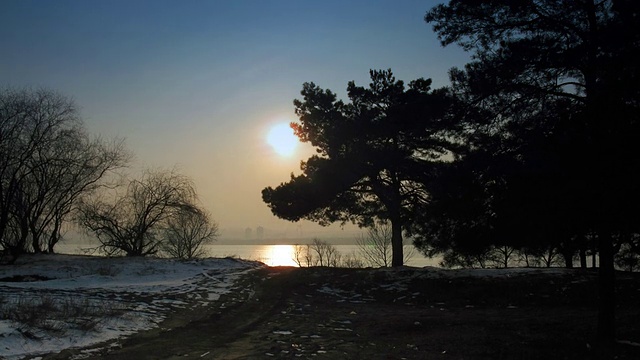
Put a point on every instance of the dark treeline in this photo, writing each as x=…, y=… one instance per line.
x=531, y=149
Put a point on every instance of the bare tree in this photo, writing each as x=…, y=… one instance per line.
x=75, y=167
x=27, y=122
x=324, y=253
x=376, y=247
x=302, y=255
x=503, y=255
x=186, y=232
x=47, y=162
x=318, y=253
x=131, y=224
x=527, y=259
x=549, y=256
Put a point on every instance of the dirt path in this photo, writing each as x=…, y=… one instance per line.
x=321, y=313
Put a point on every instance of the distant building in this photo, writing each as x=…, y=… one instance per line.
x=247, y=233
x=260, y=232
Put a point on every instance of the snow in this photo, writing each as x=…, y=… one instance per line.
x=122, y=296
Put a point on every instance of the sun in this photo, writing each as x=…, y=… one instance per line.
x=282, y=139
x=281, y=255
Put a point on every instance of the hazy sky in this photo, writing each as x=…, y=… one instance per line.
x=198, y=84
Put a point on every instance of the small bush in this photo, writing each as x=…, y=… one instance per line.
x=319, y=253
x=107, y=270
x=352, y=261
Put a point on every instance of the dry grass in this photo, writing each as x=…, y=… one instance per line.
x=57, y=314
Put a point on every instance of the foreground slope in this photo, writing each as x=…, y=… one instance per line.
x=49, y=303
x=327, y=313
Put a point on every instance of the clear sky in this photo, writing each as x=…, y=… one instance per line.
x=198, y=84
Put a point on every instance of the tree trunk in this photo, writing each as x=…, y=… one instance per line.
x=583, y=258
x=4, y=220
x=35, y=239
x=397, y=257
x=53, y=240
x=55, y=236
x=606, y=288
x=568, y=259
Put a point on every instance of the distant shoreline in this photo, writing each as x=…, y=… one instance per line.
x=286, y=241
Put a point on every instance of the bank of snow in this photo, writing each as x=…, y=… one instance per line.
x=49, y=303
x=97, y=299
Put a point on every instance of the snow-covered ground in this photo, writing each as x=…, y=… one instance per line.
x=49, y=303
x=53, y=302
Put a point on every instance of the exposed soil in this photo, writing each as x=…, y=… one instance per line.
x=407, y=313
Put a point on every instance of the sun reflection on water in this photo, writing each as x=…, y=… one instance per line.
x=280, y=255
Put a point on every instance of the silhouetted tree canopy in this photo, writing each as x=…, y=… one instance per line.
x=553, y=112
x=373, y=153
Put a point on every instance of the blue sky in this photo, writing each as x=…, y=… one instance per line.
x=198, y=84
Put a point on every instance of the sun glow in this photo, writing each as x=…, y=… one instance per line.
x=282, y=139
x=281, y=255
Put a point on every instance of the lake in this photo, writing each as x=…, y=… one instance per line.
x=272, y=255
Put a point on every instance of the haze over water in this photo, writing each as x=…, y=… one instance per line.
x=272, y=255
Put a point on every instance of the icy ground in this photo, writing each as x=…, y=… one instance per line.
x=72, y=301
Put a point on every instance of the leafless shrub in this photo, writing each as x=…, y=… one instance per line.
x=56, y=314
x=302, y=255
x=107, y=270
x=318, y=253
x=376, y=248
x=186, y=232
x=452, y=259
x=132, y=223
x=504, y=256
x=325, y=253
x=351, y=260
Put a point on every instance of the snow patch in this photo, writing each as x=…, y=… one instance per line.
x=134, y=293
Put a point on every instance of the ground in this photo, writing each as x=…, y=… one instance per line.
x=406, y=313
